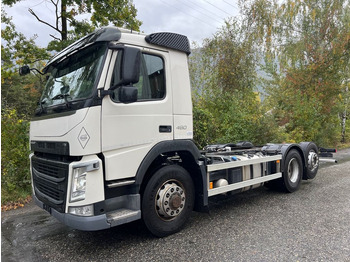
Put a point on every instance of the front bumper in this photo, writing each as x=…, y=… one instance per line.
x=92, y=223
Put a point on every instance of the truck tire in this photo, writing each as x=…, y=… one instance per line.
x=292, y=171
x=312, y=162
x=168, y=200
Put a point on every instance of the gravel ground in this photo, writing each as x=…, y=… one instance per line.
x=312, y=224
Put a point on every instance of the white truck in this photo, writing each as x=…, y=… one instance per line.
x=112, y=138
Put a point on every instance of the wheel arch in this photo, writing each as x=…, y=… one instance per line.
x=285, y=150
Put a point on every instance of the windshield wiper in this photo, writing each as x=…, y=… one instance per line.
x=61, y=96
x=40, y=110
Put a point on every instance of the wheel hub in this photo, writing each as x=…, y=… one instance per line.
x=175, y=201
x=312, y=160
x=170, y=200
x=293, y=170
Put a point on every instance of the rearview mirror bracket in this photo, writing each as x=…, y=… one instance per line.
x=25, y=70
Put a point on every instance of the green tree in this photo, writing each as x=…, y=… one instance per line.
x=227, y=106
x=120, y=13
x=20, y=93
x=306, y=46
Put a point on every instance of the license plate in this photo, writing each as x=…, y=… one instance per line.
x=47, y=208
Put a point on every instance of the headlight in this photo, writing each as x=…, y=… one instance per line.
x=78, y=185
x=79, y=179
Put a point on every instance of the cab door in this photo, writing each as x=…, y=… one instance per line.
x=129, y=131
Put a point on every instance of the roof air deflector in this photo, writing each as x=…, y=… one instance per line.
x=170, y=40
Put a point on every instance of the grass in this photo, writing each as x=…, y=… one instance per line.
x=343, y=145
x=14, y=200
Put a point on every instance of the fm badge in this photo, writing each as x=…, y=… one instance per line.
x=83, y=137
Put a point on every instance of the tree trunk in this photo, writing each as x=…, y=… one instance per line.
x=64, y=20
x=344, y=116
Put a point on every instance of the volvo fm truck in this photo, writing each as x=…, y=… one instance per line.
x=111, y=139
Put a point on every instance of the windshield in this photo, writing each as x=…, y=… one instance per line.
x=74, y=78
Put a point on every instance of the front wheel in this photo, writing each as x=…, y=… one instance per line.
x=168, y=200
x=293, y=171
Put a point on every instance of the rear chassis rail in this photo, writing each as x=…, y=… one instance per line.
x=326, y=155
x=232, y=168
x=247, y=166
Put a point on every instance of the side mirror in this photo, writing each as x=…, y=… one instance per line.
x=130, y=65
x=127, y=94
x=130, y=70
x=24, y=70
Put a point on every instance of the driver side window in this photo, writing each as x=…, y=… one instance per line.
x=151, y=85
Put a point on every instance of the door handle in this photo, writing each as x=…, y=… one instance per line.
x=165, y=129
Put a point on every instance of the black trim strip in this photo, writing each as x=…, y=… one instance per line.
x=56, y=202
x=59, y=148
x=57, y=115
x=46, y=177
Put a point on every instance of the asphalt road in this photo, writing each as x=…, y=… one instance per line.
x=312, y=224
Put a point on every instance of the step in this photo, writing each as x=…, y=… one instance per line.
x=122, y=216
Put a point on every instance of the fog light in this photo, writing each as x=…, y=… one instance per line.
x=82, y=211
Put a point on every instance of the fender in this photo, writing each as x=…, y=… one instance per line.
x=181, y=146
x=284, y=149
x=304, y=146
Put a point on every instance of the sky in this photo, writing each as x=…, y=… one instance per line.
x=197, y=19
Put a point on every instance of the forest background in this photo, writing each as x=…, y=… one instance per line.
x=279, y=73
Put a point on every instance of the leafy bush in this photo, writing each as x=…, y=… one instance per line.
x=15, y=174
x=204, y=126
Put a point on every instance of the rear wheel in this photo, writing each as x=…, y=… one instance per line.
x=312, y=162
x=168, y=200
x=292, y=172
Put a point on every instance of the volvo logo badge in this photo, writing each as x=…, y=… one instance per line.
x=83, y=137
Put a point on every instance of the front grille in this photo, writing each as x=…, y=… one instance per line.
x=52, y=171
x=50, y=179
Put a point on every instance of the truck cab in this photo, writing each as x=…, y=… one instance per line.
x=95, y=124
